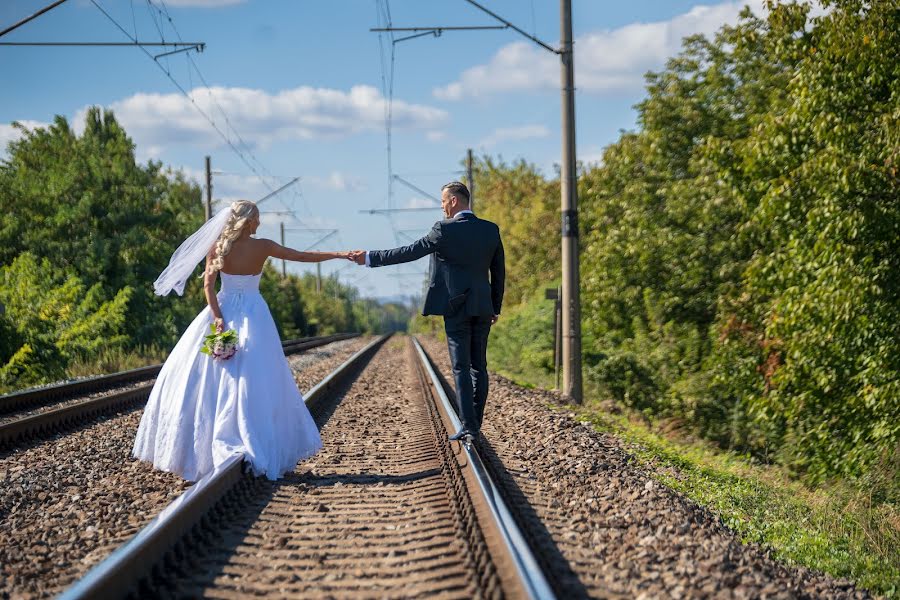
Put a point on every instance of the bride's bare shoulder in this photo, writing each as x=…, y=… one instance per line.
x=263, y=243
x=251, y=246
x=265, y=246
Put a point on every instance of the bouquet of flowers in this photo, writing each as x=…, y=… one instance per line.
x=221, y=346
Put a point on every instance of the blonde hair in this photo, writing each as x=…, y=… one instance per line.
x=241, y=213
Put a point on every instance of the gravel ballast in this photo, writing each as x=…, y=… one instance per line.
x=311, y=366
x=619, y=533
x=67, y=502
x=369, y=516
x=55, y=405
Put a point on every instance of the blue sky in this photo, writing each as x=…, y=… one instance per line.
x=297, y=85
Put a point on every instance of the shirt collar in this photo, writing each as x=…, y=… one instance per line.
x=464, y=212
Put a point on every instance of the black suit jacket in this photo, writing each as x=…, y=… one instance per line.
x=464, y=250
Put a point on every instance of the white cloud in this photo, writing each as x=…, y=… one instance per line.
x=605, y=61
x=524, y=132
x=436, y=136
x=203, y=3
x=337, y=181
x=8, y=133
x=261, y=118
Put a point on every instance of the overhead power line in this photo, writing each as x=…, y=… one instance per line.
x=163, y=12
x=179, y=46
x=416, y=188
x=32, y=17
x=274, y=192
x=199, y=45
x=179, y=86
x=389, y=211
x=435, y=31
x=571, y=301
x=244, y=154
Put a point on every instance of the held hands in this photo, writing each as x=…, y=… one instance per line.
x=357, y=256
x=220, y=324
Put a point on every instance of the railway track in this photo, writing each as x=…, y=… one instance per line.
x=37, y=413
x=389, y=508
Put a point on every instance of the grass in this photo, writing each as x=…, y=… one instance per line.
x=846, y=529
x=113, y=361
x=106, y=362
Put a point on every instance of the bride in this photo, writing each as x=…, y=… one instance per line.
x=203, y=410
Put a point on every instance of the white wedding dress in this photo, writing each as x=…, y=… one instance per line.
x=201, y=411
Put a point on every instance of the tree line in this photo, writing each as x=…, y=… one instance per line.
x=85, y=230
x=740, y=270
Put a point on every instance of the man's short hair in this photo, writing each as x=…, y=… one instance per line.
x=457, y=189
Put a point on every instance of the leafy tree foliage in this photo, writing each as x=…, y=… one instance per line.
x=824, y=296
x=740, y=248
x=85, y=230
x=54, y=319
x=83, y=203
x=526, y=205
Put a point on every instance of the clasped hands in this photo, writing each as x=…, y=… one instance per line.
x=357, y=256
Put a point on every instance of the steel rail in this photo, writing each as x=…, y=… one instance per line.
x=57, y=419
x=60, y=418
x=36, y=396
x=528, y=570
x=122, y=570
x=60, y=391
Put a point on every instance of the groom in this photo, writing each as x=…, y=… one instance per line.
x=464, y=250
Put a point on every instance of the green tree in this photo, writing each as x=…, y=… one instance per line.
x=818, y=311
x=740, y=248
x=85, y=204
x=664, y=217
x=52, y=318
x=526, y=208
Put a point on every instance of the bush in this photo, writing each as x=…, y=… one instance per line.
x=54, y=320
x=625, y=378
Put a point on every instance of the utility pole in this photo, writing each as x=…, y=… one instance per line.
x=568, y=179
x=283, y=261
x=470, y=180
x=571, y=297
x=318, y=278
x=208, y=205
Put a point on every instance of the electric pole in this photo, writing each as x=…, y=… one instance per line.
x=470, y=180
x=283, y=261
x=568, y=179
x=571, y=296
x=208, y=205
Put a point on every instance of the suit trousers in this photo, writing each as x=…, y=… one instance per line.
x=467, y=339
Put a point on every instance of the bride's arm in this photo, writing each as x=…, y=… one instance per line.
x=276, y=250
x=209, y=290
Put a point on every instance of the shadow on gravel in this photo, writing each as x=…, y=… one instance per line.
x=562, y=578
x=199, y=561
x=323, y=409
x=365, y=478
x=559, y=574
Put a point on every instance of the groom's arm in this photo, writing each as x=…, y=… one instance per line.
x=498, y=277
x=415, y=251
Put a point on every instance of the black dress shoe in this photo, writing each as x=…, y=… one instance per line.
x=461, y=434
